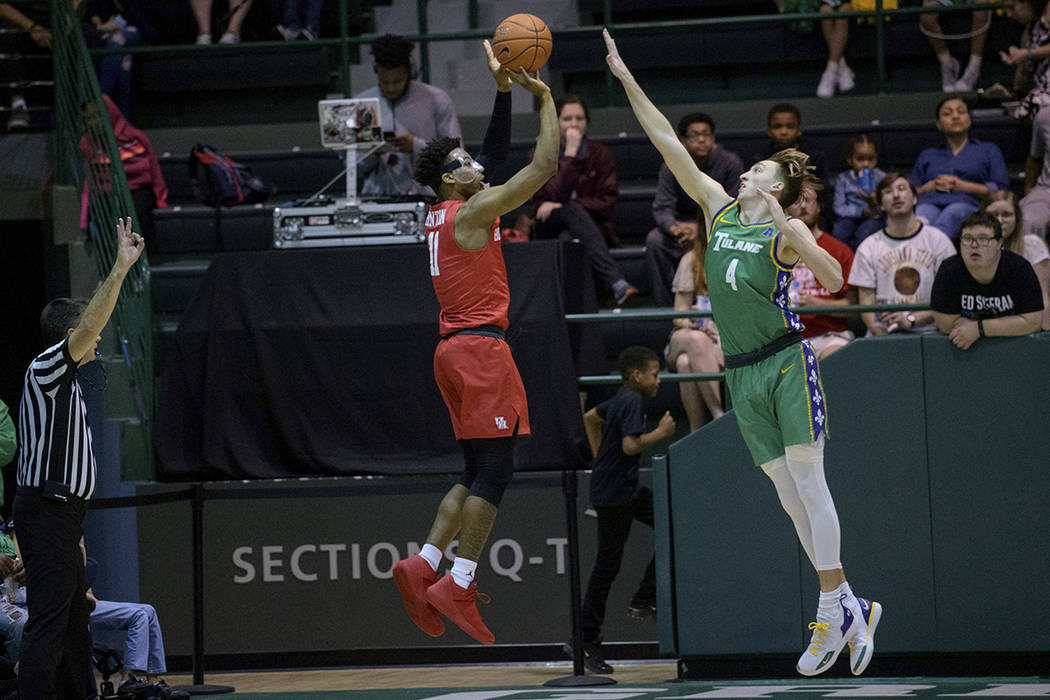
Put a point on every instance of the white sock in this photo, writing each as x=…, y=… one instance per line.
x=463, y=571
x=842, y=62
x=828, y=606
x=18, y=102
x=974, y=65
x=945, y=59
x=832, y=66
x=432, y=554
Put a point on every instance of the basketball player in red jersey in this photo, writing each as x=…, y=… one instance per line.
x=472, y=363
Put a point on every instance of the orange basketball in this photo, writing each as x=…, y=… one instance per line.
x=522, y=41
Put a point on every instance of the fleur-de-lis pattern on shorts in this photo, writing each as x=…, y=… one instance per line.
x=815, y=390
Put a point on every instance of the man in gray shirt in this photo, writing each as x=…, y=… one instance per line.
x=675, y=211
x=412, y=111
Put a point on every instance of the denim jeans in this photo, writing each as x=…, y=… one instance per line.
x=133, y=628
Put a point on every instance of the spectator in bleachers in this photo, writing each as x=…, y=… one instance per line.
x=414, y=111
x=855, y=206
x=951, y=81
x=1030, y=56
x=897, y=264
x=141, y=167
x=18, y=118
x=1003, y=205
x=238, y=10
x=131, y=628
x=694, y=345
x=302, y=19
x=952, y=178
x=784, y=128
x=112, y=24
x=985, y=290
x=837, y=75
x=7, y=441
x=675, y=212
x=1036, y=203
x=826, y=333
x=579, y=201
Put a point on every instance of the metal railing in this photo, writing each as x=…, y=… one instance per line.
x=344, y=41
x=87, y=156
x=669, y=314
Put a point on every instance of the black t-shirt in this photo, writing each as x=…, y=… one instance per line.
x=614, y=479
x=1014, y=289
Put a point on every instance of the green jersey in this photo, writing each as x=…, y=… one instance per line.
x=747, y=284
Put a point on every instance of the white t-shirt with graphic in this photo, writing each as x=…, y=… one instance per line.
x=901, y=270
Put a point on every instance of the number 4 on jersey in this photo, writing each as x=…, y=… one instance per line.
x=730, y=273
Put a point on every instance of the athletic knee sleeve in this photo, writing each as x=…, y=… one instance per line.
x=805, y=463
x=495, y=467
x=778, y=473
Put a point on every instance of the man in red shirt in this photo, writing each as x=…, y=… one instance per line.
x=472, y=363
x=826, y=333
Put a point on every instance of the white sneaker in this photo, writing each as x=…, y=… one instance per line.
x=949, y=76
x=826, y=88
x=862, y=646
x=230, y=38
x=286, y=33
x=846, y=81
x=204, y=38
x=968, y=80
x=829, y=637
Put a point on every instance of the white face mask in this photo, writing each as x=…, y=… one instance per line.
x=464, y=169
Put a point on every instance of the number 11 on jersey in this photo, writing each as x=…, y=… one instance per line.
x=432, y=245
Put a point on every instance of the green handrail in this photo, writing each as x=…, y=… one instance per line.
x=344, y=41
x=666, y=314
x=87, y=156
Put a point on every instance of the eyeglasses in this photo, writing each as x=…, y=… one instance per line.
x=981, y=241
x=699, y=137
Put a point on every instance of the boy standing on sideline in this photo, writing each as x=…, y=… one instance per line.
x=615, y=432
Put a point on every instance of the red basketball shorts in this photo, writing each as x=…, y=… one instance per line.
x=481, y=387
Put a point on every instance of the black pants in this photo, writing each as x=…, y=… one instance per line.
x=572, y=221
x=56, y=644
x=662, y=255
x=614, y=525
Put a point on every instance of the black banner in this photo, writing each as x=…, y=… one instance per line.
x=319, y=362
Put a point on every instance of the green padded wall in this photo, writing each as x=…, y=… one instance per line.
x=937, y=463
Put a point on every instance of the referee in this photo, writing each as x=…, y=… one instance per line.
x=56, y=476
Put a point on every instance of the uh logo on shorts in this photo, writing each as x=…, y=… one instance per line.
x=501, y=423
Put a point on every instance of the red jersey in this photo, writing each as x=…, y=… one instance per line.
x=471, y=285
x=805, y=282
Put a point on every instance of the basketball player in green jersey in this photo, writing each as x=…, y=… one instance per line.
x=771, y=372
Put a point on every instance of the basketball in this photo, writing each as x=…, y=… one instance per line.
x=522, y=42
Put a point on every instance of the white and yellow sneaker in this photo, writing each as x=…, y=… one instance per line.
x=829, y=637
x=862, y=646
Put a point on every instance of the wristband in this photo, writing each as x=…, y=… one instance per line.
x=1029, y=53
x=980, y=327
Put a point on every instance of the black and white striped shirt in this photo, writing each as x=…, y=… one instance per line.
x=53, y=425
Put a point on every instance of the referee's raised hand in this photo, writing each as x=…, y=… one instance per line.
x=129, y=244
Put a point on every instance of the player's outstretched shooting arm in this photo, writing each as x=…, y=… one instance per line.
x=474, y=219
x=704, y=190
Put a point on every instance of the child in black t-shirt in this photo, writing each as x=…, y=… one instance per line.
x=985, y=290
x=615, y=431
